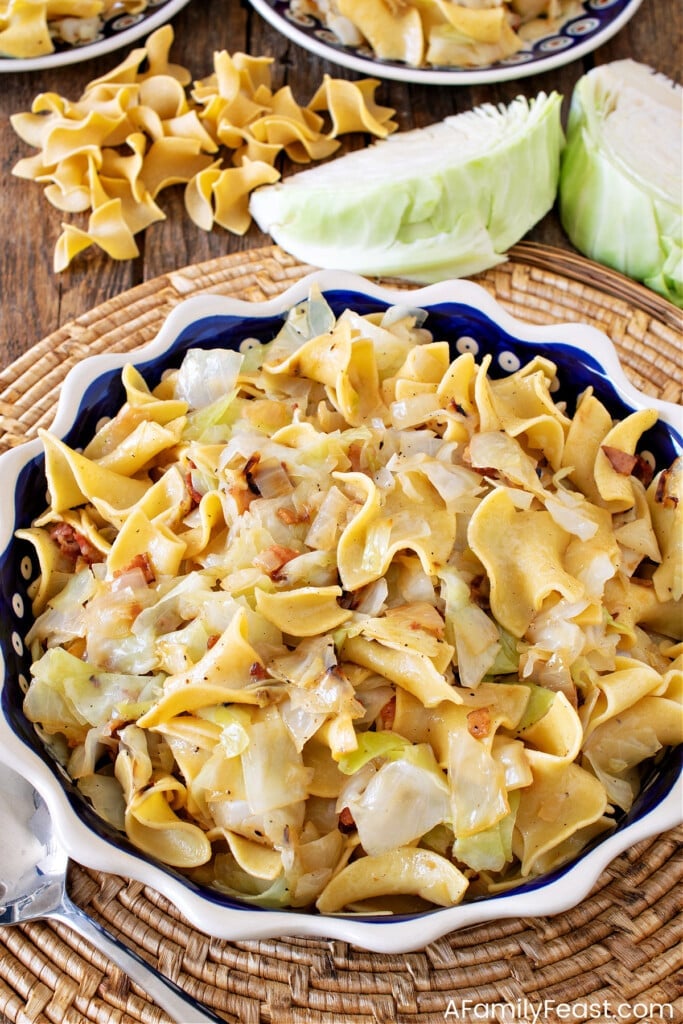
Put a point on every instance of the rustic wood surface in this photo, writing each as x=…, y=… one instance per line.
x=35, y=301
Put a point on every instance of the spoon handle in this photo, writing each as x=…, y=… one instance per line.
x=164, y=992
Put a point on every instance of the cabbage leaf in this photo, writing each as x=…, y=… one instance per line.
x=620, y=183
x=444, y=201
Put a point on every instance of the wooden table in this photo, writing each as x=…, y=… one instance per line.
x=35, y=301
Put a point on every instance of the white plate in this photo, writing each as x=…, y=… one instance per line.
x=601, y=19
x=118, y=32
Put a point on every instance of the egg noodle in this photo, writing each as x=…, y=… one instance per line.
x=31, y=29
x=147, y=125
x=343, y=620
x=472, y=33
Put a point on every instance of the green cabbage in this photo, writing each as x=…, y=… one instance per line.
x=438, y=202
x=620, y=183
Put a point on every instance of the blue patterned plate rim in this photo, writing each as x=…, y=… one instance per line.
x=599, y=21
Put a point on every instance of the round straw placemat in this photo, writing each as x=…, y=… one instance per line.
x=616, y=956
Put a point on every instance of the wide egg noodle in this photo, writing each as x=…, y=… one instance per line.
x=223, y=674
x=306, y=611
x=146, y=441
x=211, y=519
x=411, y=670
x=635, y=531
x=175, y=131
x=172, y=161
x=345, y=364
x=155, y=828
x=352, y=107
x=395, y=33
x=156, y=407
x=53, y=568
x=589, y=426
x=616, y=489
x=522, y=552
x=163, y=502
x=380, y=529
x=73, y=479
x=621, y=689
x=522, y=406
x=255, y=858
x=666, y=509
x=405, y=871
x=558, y=733
x=231, y=190
x=618, y=745
x=562, y=799
x=24, y=30
x=140, y=536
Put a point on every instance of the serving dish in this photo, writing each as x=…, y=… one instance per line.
x=601, y=19
x=89, y=392
x=116, y=32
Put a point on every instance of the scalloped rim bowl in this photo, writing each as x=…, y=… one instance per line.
x=473, y=318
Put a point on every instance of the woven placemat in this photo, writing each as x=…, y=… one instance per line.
x=617, y=956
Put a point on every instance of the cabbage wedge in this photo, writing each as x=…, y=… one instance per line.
x=429, y=204
x=621, y=182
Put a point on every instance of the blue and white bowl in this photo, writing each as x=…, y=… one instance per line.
x=471, y=319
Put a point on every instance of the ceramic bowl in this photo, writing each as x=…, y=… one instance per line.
x=465, y=314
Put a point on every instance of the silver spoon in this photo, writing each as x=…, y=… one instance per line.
x=33, y=885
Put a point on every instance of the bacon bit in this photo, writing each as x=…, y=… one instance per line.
x=273, y=558
x=74, y=545
x=643, y=471
x=662, y=496
x=195, y=496
x=346, y=823
x=257, y=671
x=388, y=714
x=110, y=730
x=479, y=591
x=212, y=640
x=141, y=562
x=348, y=599
x=251, y=465
x=621, y=462
x=479, y=723
x=76, y=647
x=290, y=516
x=354, y=453
x=242, y=498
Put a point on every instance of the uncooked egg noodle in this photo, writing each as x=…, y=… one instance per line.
x=343, y=620
x=146, y=125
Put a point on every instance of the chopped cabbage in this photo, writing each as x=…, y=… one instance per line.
x=401, y=802
x=207, y=375
x=621, y=178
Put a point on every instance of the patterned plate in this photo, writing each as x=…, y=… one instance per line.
x=600, y=20
x=117, y=32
